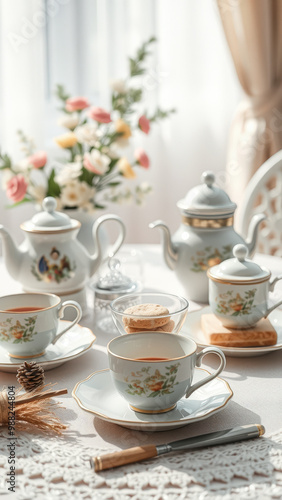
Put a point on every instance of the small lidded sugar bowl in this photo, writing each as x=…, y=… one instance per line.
x=239, y=289
x=109, y=287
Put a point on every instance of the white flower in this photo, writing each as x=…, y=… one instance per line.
x=22, y=166
x=86, y=192
x=118, y=85
x=69, y=172
x=68, y=120
x=6, y=176
x=76, y=194
x=87, y=133
x=111, y=151
x=37, y=192
x=96, y=162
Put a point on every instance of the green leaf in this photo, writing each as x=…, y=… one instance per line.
x=53, y=189
x=24, y=200
x=100, y=207
x=87, y=176
x=61, y=93
x=161, y=114
x=5, y=161
x=113, y=184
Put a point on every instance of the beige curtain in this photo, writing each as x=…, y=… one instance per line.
x=253, y=30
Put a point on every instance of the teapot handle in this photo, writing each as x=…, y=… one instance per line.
x=120, y=239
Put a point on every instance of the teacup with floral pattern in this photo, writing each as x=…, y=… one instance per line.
x=152, y=371
x=29, y=322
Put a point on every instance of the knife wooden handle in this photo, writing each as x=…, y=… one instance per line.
x=128, y=456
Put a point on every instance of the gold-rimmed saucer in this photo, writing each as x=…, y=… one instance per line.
x=97, y=395
x=71, y=345
x=192, y=329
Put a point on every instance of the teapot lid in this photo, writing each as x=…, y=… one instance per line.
x=207, y=199
x=114, y=283
x=239, y=269
x=49, y=219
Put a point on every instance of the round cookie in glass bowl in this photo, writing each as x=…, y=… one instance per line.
x=143, y=312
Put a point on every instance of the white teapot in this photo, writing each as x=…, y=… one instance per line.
x=205, y=238
x=51, y=259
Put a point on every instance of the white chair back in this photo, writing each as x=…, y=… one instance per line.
x=264, y=194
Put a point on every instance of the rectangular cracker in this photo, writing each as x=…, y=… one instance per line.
x=262, y=334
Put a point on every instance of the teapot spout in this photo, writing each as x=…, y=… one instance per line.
x=253, y=232
x=169, y=251
x=12, y=255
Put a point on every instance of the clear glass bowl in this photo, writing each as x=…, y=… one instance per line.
x=131, y=323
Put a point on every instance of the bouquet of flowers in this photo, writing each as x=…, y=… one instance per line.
x=93, y=168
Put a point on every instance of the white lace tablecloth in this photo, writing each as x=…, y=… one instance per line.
x=59, y=468
x=50, y=467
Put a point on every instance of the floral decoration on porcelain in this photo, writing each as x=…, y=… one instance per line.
x=234, y=304
x=145, y=383
x=209, y=257
x=17, y=331
x=49, y=270
x=94, y=165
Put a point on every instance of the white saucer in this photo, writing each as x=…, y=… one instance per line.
x=71, y=345
x=192, y=329
x=97, y=395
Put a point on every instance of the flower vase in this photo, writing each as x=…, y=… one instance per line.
x=85, y=235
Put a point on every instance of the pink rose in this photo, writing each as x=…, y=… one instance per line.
x=100, y=115
x=16, y=188
x=142, y=158
x=144, y=124
x=38, y=160
x=76, y=104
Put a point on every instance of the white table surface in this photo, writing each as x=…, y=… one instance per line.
x=256, y=382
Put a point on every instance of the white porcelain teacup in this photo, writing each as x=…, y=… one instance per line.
x=29, y=322
x=154, y=370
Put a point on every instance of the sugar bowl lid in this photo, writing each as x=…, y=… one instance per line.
x=207, y=199
x=49, y=219
x=114, y=284
x=239, y=270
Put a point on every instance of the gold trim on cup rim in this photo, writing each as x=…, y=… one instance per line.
x=207, y=223
x=59, y=294
x=146, y=360
x=24, y=295
x=237, y=282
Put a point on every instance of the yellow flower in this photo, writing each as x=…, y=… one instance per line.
x=66, y=140
x=126, y=169
x=122, y=126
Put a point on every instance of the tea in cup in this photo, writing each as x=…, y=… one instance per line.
x=29, y=322
x=154, y=370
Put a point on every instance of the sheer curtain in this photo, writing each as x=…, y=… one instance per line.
x=83, y=44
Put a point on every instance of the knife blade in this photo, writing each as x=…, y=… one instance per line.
x=139, y=453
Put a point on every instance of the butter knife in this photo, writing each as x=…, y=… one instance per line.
x=139, y=453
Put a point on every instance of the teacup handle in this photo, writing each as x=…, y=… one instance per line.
x=200, y=355
x=68, y=303
x=271, y=288
x=120, y=239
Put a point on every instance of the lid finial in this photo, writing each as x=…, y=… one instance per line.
x=240, y=251
x=208, y=178
x=49, y=204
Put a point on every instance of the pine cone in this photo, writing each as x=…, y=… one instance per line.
x=30, y=375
